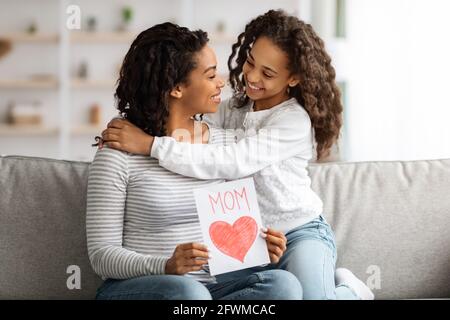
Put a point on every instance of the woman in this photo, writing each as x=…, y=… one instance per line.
x=143, y=231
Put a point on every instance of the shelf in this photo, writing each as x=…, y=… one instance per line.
x=33, y=38
x=87, y=130
x=222, y=38
x=28, y=84
x=53, y=84
x=75, y=36
x=97, y=37
x=102, y=37
x=128, y=37
x=93, y=84
x=27, y=130
x=41, y=130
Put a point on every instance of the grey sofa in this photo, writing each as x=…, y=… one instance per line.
x=391, y=220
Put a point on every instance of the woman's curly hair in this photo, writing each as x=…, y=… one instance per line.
x=159, y=59
x=317, y=91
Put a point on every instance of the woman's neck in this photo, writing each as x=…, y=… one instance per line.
x=183, y=127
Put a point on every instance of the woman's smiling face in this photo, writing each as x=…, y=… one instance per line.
x=201, y=94
x=266, y=74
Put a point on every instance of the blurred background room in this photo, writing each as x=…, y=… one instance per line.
x=59, y=62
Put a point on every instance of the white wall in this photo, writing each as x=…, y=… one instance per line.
x=398, y=80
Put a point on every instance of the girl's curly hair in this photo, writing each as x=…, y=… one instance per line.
x=159, y=59
x=317, y=91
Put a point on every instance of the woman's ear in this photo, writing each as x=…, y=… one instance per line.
x=176, y=92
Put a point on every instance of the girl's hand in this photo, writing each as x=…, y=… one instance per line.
x=187, y=257
x=123, y=135
x=276, y=243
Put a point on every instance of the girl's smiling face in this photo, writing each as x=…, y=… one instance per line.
x=266, y=74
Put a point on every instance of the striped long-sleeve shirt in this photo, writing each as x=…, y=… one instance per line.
x=138, y=212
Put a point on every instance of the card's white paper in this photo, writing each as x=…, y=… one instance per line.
x=231, y=225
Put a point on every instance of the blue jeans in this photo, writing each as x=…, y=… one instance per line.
x=261, y=285
x=311, y=256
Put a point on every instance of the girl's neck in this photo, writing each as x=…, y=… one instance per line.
x=268, y=103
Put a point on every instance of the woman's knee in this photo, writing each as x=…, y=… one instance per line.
x=163, y=287
x=184, y=288
x=284, y=285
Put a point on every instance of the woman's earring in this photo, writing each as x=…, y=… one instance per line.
x=98, y=140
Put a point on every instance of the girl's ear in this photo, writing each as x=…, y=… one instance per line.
x=293, y=81
x=176, y=92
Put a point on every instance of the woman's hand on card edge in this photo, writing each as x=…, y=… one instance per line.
x=276, y=243
x=187, y=257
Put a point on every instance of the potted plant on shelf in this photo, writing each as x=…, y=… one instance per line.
x=127, y=18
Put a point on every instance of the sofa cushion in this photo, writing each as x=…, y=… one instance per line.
x=391, y=219
x=42, y=229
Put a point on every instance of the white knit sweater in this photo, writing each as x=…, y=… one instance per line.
x=273, y=145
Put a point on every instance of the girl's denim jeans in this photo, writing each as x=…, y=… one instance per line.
x=311, y=256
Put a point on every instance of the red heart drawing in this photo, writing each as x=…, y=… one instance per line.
x=235, y=240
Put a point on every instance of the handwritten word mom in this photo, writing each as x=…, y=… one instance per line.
x=229, y=201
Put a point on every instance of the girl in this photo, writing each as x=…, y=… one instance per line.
x=285, y=97
x=143, y=232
